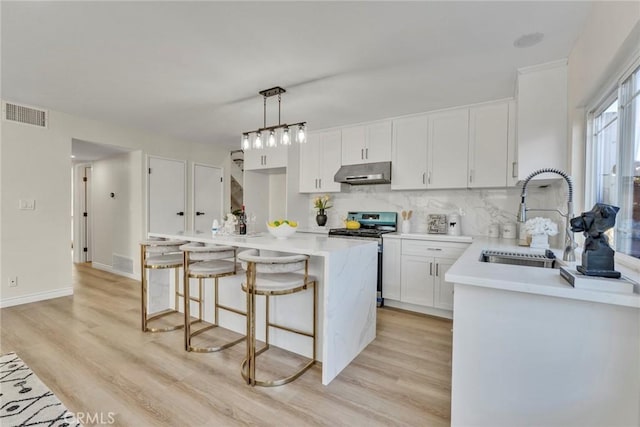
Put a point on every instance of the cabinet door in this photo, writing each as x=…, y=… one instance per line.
x=443, y=289
x=449, y=144
x=378, y=145
x=391, y=269
x=330, y=160
x=542, y=119
x=275, y=157
x=488, y=145
x=416, y=282
x=309, y=172
x=409, y=153
x=353, y=145
x=254, y=159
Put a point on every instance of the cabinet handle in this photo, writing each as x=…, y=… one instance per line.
x=423, y=175
x=471, y=175
x=362, y=154
x=366, y=153
x=429, y=178
x=316, y=183
x=430, y=269
x=514, y=169
x=434, y=249
x=437, y=269
x=265, y=160
x=319, y=182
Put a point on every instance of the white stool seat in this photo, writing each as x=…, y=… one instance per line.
x=280, y=281
x=159, y=260
x=212, y=267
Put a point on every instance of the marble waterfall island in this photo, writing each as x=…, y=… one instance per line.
x=346, y=270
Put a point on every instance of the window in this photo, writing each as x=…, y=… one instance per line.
x=615, y=161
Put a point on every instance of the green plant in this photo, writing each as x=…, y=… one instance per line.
x=322, y=203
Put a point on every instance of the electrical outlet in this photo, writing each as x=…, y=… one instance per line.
x=27, y=204
x=13, y=282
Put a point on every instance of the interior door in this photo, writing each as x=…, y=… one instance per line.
x=167, y=201
x=207, y=196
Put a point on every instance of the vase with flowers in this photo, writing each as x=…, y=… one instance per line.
x=321, y=203
x=540, y=229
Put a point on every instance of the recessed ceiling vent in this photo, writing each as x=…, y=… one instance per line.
x=23, y=114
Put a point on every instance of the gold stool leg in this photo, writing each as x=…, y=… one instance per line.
x=187, y=305
x=143, y=287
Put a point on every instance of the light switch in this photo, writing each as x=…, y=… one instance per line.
x=27, y=204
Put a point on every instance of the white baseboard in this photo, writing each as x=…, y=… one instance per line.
x=432, y=311
x=108, y=268
x=38, y=296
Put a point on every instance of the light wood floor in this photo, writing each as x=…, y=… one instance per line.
x=90, y=351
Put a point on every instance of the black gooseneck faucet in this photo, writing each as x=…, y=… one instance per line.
x=569, y=240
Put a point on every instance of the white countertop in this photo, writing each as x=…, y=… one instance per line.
x=299, y=243
x=469, y=270
x=314, y=229
x=425, y=236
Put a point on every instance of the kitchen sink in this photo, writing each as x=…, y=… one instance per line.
x=546, y=260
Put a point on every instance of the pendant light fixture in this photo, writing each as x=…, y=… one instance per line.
x=271, y=136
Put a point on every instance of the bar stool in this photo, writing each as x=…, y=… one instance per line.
x=273, y=276
x=158, y=254
x=207, y=262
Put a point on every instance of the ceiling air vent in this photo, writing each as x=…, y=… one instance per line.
x=24, y=114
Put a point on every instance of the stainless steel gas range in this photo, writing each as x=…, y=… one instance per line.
x=372, y=226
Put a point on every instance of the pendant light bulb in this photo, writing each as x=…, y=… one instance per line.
x=286, y=138
x=301, y=137
x=246, y=145
x=258, y=142
x=271, y=142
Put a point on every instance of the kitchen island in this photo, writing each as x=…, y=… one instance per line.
x=529, y=349
x=346, y=271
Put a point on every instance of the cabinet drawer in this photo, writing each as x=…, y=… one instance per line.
x=436, y=249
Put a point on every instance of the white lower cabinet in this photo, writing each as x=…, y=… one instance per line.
x=416, y=283
x=419, y=284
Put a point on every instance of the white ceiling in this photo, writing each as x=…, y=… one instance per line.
x=192, y=70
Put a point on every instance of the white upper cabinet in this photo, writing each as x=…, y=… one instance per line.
x=367, y=143
x=448, y=144
x=542, y=118
x=265, y=158
x=409, y=153
x=320, y=159
x=489, y=137
x=430, y=151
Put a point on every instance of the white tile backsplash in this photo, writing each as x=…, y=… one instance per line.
x=480, y=208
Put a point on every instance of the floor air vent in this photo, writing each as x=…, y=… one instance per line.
x=122, y=264
x=24, y=114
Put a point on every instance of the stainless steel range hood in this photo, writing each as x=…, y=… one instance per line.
x=368, y=173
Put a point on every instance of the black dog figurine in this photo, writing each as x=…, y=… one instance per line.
x=597, y=258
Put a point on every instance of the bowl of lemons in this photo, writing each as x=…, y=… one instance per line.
x=282, y=228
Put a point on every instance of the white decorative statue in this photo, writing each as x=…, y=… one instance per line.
x=230, y=223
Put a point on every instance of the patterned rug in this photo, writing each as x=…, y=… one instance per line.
x=25, y=400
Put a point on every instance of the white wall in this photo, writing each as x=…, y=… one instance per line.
x=607, y=41
x=35, y=163
x=36, y=244
x=116, y=219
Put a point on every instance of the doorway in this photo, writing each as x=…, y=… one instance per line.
x=83, y=156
